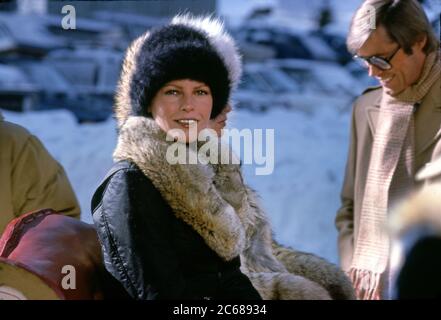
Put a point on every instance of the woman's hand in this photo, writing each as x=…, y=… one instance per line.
x=218, y=123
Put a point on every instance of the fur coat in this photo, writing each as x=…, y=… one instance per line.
x=214, y=200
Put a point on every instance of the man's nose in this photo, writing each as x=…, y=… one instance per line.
x=374, y=71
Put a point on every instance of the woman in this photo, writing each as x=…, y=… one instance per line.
x=190, y=231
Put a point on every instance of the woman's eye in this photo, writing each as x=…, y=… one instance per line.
x=171, y=92
x=202, y=92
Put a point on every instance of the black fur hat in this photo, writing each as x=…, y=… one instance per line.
x=189, y=48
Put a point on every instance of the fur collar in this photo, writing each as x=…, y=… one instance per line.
x=211, y=198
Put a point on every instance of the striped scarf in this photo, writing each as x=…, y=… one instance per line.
x=390, y=178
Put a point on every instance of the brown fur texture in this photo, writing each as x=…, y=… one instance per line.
x=214, y=200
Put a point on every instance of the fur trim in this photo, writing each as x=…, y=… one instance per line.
x=213, y=199
x=127, y=92
x=286, y=286
x=219, y=39
x=422, y=209
x=316, y=269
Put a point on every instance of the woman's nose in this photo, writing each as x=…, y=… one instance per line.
x=187, y=104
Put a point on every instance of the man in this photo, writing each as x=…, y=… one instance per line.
x=395, y=132
x=30, y=179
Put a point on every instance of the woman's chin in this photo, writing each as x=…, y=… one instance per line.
x=186, y=134
x=184, y=137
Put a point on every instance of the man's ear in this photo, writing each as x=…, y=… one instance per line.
x=421, y=42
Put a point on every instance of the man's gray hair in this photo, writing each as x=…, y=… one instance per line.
x=404, y=20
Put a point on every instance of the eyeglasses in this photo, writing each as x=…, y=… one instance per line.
x=381, y=63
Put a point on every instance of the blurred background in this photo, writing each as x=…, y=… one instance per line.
x=298, y=79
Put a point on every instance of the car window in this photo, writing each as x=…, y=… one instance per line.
x=305, y=79
x=251, y=81
x=78, y=72
x=273, y=82
x=261, y=36
x=111, y=72
x=297, y=48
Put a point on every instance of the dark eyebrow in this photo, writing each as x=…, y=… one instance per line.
x=382, y=54
x=373, y=55
x=172, y=85
x=179, y=87
x=376, y=55
x=202, y=85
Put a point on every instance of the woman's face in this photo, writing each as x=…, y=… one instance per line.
x=181, y=104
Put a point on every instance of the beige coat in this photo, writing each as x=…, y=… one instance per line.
x=364, y=122
x=30, y=179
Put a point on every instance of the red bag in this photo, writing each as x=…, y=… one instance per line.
x=45, y=255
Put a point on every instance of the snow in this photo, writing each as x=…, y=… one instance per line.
x=301, y=196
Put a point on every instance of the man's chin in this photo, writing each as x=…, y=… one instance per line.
x=388, y=91
x=391, y=91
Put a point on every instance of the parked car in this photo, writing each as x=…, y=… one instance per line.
x=132, y=25
x=262, y=88
x=26, y=36
x=82, y=81
x=87, y=32
x=286, y=42
x=17, y=92
x=294, y=85
x=91, y=75
x=321, y=78
x=337, y=41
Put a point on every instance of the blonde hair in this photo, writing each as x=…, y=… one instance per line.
x=404, y=20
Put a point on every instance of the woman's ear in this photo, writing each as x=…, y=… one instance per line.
x=149, y=111
x=220, y=121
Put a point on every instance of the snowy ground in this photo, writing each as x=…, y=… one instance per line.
x=301, y=196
